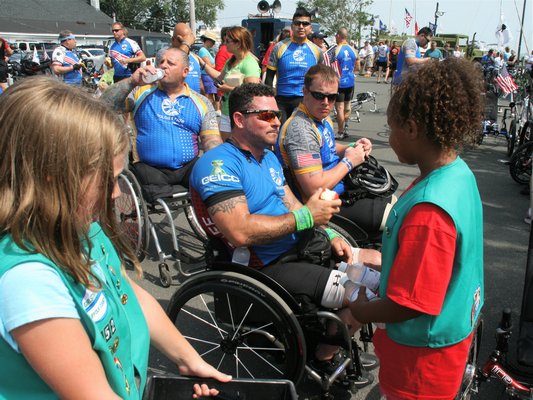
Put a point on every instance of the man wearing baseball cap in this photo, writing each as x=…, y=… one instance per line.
x=65, y=61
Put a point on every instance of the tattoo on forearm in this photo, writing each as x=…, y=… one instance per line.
x=267, y=237
x=210, y=141
x=226, y=206
x=115, y=96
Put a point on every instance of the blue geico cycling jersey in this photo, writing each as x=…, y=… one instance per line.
x=346, y=58
x=168, y=130
x=291, y=61
x=193, y=77
x=228, y=168
x=126, y=48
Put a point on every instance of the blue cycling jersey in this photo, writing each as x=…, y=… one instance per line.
x=193, y=77
x=64, y=57
x=409, y=49
x=291, y=61
x=168, y=130
x=228, y=168
x=346, y=58
x=119, y=51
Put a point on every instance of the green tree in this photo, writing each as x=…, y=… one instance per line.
x=158, y=15
x=335, y=14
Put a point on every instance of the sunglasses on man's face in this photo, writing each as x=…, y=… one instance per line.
x=264, y=115
x=321, y=96
x=115, y=30
x=301, y=23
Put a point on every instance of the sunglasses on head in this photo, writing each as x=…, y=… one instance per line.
x=322, y=96
x=302, y=23
x=264, y=115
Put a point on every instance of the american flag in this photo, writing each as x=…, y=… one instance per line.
x=307, y=159
x=330, y=58
x=45, y=55
x=407, y=18
x=505, y=81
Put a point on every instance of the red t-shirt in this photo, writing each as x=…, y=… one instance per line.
x=222, y=56
x=418, y=280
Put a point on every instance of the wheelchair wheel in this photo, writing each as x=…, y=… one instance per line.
x=511, y=138
x=343, y=234
x=239, y=326
x=132, y=214
x=469, y=383
x=525, y=133
x=520, y=163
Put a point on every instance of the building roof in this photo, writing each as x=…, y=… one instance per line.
x=52, y=16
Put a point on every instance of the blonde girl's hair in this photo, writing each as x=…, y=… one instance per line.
x=55, y=141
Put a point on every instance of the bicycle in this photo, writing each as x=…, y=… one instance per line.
x=520, y=163
x=496, y=366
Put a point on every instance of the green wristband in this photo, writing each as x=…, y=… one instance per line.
x=303, y=218
x=352, y=144
x=331, y=233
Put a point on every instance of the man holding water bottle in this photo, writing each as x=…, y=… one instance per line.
x=170, y=119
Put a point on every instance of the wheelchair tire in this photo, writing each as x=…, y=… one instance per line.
x=525, y=133
x=511, y=138
x=343, y=234
x=520, y=163
x=132, y=214
x=240, y=326
x=469, y=383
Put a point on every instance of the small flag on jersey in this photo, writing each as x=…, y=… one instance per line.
x=505, y=81
x=330, y=58
x=35, y=57
x=407, y=18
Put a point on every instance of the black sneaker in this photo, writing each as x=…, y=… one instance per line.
x=340, y=135
x=368, y=361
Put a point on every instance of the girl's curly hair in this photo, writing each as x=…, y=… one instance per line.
x=445, y=99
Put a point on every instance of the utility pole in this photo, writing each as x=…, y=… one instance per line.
x=521, y=29
x=436, y=15
x=192, y=17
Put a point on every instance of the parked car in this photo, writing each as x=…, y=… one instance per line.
x=94, y=54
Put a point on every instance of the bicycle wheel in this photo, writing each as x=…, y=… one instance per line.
x=132, y=214
x=511, y=138
x=525, y=134
x=469, y=383
x=520, y=163
x=240, y=326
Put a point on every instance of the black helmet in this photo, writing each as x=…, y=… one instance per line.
x=372, y=178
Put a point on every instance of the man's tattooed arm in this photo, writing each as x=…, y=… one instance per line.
x=116, y=96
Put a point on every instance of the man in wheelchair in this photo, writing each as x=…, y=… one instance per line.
x=171, y=121
x=313, y=159
x=240, y=196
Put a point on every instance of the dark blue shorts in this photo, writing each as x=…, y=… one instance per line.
x=209, y=84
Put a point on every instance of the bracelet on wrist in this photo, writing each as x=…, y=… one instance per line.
x=303, y=218
x=331, y=233
x=347, y=163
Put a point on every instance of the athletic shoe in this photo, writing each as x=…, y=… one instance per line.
x=368, y=361
x=340, y=135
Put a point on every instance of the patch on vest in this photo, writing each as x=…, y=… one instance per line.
x=95, y=305
x=475, y=305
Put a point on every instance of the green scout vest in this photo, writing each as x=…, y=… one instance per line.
x=453, y=188
x=112, y=318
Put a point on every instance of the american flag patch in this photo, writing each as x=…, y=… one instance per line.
x=307, y=159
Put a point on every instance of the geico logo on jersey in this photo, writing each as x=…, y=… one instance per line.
x=219, y=178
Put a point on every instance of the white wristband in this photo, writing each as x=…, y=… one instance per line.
x=355, y=254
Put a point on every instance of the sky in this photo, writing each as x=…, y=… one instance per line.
x=460, y=16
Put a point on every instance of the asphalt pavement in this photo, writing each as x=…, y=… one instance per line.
x=505, y=233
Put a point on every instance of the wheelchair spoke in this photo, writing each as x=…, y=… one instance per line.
x=261, y=348
x=220, y=330
x=201, y=341
x=211, y=314
x=221, y=360
x=242, y=321
x=238, y=361
x=209, y=351
x=258, y=328
x=230, y=311
x=263, y=358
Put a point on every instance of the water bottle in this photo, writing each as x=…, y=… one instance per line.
x=151, y=78
x=351, y=289
x=361, y=274
x=241, y=255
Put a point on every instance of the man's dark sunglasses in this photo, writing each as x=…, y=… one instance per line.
x=302, y=23
x=264, y=115
x=322, y=96
x=115, y=30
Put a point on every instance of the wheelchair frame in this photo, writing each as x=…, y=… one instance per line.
x=135, y=216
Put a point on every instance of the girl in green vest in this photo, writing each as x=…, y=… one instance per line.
x=431, y=288
x=72, y=324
